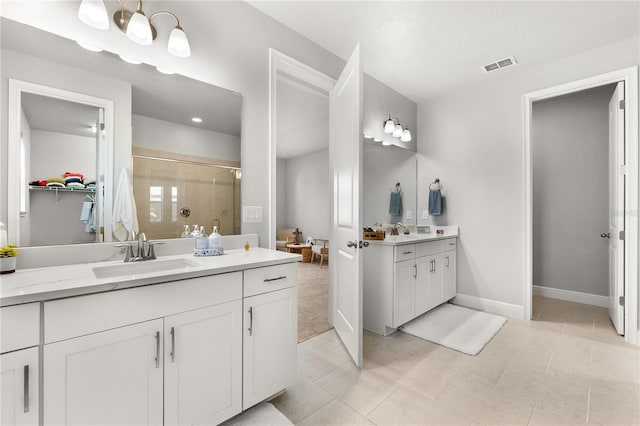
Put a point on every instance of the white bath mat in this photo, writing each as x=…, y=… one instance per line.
x=264, y=414
x=455, y=327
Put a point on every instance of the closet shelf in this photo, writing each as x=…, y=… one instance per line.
x=54, y=189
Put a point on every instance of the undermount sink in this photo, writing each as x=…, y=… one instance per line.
x=399, y=238
x=146, y=267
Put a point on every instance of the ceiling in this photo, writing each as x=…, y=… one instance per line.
x=173, y=98
x=60, y=116
x=302, y=122
x=425, y=48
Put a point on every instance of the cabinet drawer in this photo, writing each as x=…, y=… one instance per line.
x=92, y=313
x=20, y=326
x=429, y=248
x=450, y=244
x=269, y=278
x=404, y=252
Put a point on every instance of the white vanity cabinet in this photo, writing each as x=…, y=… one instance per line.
x=19, y=362
x=403, y=281
x=270, y=332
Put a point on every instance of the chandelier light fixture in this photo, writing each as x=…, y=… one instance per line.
x=393, y=127
x=135, y=25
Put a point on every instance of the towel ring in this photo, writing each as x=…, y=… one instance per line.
x=437, y=183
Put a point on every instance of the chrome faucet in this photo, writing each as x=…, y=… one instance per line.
x=145, y=249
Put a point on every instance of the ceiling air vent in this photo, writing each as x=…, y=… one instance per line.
x=502, y=63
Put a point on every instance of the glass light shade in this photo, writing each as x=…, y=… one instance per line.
x=397, y=131
x=94, y=14
x=139, y=30
x=406, y=135
x=389, y=125
x=178, y=43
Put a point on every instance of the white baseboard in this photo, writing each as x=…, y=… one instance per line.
x=489, y=305
x=571, y=296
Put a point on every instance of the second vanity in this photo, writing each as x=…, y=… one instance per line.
x=196, y=344
x=406, y=276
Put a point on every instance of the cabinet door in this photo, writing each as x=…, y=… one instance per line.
x=203, y=365
x=404, y=291
x=450, y=289
x=109, y=378
x=424, y=292
x=435, y=281
x=270, y=344
x=19, y=387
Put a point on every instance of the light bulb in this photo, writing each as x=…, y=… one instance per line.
x=94, y=14
x=397, y=131
x=139, y=29
x=178, y=43
x=389, y=125
x=406, y=135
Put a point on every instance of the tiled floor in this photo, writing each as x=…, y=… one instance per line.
x=566, y=367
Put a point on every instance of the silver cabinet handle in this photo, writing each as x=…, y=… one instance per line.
x=157, y=358
x=407, y=252
x=433, y=266
x=26, y=389
x=415, y=271
x=281, y=277
x=452, y=244
x=447, y=260
x=250, y=329
x=172, y=332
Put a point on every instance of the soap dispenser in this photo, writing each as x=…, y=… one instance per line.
x=202, y=242
x=214, y=239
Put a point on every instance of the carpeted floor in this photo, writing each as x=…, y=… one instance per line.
x=313, y=297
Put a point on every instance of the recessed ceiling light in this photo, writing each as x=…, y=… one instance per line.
x=89, y=47
x=130, y=60
x=196, y=120
x=165, y=71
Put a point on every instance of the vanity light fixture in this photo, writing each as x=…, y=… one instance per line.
x=196, y=120
x=389, y=125
x=130, y=60
x=88, y=46
x=397, y=130
x=135, y=24
x=406, y=135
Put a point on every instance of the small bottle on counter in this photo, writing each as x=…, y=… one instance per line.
x=185, y=232
x=202, y=241
x=214, y=239
x=195, y=232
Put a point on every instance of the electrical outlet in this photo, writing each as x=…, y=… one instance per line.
x=408, y=215
x=425, y=214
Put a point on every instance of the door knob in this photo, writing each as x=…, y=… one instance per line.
x=605, y=235
x=352, y=244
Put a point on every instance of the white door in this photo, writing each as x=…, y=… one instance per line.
x=270, y=344
x=345, y=105
x=203, y=365
x=109, y=378
x=19, y=387
x=616, y=208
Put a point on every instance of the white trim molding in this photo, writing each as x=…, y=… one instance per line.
x=632, y=184
x=489, y=305
x=571, y=296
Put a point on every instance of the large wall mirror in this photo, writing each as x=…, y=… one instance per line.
x=91, y=114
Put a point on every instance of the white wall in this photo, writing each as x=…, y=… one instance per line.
x=281, y=193
x=53, y=154
x=229, y=48
x=384, y=166
x=472, y=140
x=571, y=191
x=165, y=136
x=25, y=220
x=307, y=200
x=35, y=70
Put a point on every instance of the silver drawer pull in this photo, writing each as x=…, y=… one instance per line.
x=407, y=252
x=157, y=358
x=173, y=344
x=250, y=329
x=452, y=244
x=26, y=389
x=281, y=277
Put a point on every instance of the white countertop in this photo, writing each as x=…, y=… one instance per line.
x=39, y=284
x=402, y=239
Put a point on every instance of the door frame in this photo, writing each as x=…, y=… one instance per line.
x=630, y=77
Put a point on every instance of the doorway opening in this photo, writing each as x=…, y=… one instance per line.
x=300, y=182
x=581, y=192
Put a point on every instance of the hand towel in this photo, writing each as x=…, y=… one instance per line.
x=435, y=202
x=395, y=203
x=85, y=212
x=124, y=218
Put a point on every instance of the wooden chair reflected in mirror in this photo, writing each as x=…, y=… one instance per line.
x=320, y=248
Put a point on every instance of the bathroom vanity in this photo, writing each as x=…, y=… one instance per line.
x=183, y=341
x=406, y=276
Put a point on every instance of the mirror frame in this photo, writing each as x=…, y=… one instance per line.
x=104, y=152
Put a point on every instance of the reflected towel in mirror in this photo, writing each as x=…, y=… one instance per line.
x=435, y=202
x=124, y=218
x=395, y=203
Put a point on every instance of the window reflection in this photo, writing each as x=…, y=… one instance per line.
x=155, y=203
